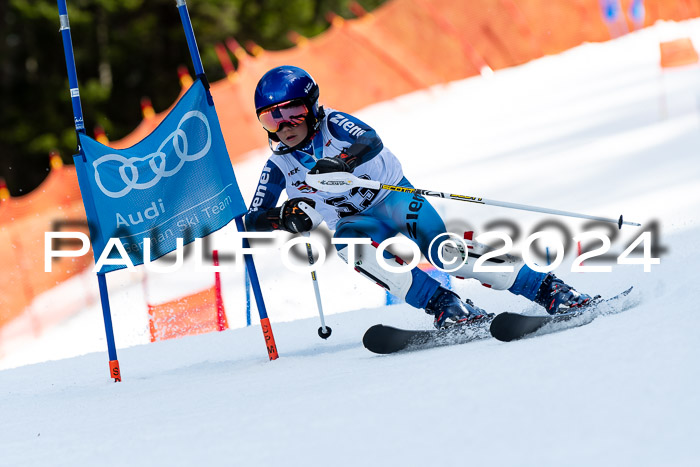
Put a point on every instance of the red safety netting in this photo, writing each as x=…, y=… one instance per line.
x=679, y=52
x=194, y=314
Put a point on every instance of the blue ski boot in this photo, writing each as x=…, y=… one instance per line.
x=449, y=309
x=557, y=297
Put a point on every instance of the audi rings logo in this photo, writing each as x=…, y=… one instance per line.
x=129, y=171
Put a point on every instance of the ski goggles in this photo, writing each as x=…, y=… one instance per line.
x=292, y=112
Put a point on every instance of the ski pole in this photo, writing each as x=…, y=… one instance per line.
x=339, y=182
x=324, y=331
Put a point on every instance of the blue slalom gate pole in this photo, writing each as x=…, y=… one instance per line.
x=107, y=317
x=189, y=34
x=114, y=370
x=70, y=66
x=262, y=311
x=250, y=265
x=247, y=298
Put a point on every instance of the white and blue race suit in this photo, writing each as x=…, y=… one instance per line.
x=360, y=213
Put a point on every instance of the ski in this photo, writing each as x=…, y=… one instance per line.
x=508, y=326
x=386, y=339
x=505, y=327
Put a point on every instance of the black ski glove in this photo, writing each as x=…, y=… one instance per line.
x=346, y=161
x=290, y=216
x=331, y=164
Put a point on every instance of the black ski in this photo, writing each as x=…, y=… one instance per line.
x=386, y=339
x=508, y=326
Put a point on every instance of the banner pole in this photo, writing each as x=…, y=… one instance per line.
x=80, y=128
x=191, y=41
x=247, y=297
x=250, y=265
x=107, y=315
x=262, y=311
x=70, y=66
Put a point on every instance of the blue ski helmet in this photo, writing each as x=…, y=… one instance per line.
x=286, y=83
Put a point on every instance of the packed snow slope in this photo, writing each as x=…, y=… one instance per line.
x=599, y=129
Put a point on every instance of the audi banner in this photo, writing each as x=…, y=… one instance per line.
x=177, y=182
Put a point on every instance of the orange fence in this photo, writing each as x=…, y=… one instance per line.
x=407, y=45
x=55, y=204
x=403, y=46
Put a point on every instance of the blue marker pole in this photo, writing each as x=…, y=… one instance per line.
x=257, y=292
x=80, y=128
x=109, y=331
x=637, y=13
x=247, y=298
x=189, y=34
x=70, y=66
x=192, y=46
x=250, y=265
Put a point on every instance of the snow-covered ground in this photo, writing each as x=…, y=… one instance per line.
x=599, y=129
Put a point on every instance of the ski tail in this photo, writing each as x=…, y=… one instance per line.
x=508, y=326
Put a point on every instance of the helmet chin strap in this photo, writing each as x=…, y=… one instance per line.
x=286, y=149
x=309, y=135
x=276, y=151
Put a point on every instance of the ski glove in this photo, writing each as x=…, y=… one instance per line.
x=330, y=165
x=290, y=216
x=346, y=161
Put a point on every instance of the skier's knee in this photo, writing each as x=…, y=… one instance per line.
x=497, y=272
x=363, y=258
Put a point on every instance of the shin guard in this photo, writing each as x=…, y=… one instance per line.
x=365, y=262
x=475, y=250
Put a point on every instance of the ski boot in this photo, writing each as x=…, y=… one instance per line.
x=558, y=298
x=449, y=309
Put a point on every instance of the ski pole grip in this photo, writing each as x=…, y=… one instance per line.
x=339, y=182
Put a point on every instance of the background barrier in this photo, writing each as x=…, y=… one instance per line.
x=55, y=205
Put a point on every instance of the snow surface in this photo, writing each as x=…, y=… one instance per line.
x=599, y=129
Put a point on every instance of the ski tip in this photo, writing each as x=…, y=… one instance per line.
x=501, y=328
x=374, y=339
x=373, y=330
x=508, y=326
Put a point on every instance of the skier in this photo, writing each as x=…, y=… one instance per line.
x=311, y=139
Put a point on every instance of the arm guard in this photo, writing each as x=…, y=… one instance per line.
x=270, y=186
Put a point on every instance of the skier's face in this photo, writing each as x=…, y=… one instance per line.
x=292, y=135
